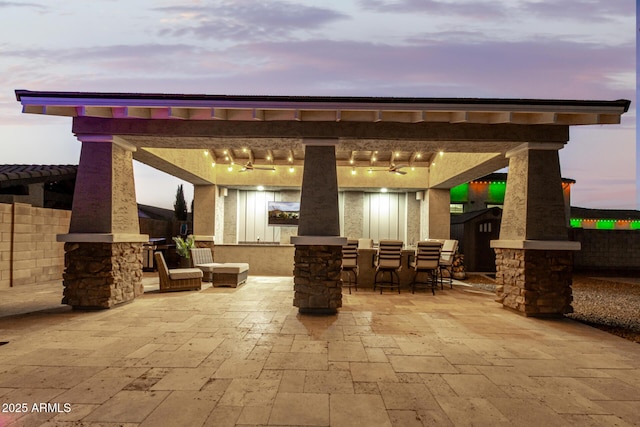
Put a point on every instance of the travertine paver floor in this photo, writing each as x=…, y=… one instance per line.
x=234, y=357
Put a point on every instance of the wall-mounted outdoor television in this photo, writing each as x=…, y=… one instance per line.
x=283, y=214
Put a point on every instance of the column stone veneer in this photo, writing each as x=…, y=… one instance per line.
x=534, y=259
x=103, y=250
x=318, y=255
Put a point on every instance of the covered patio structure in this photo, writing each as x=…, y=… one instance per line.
x=205, y=139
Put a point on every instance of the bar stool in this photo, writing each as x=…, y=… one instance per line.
x=350, y=262
x=426, y=261
x=389, y=261
x=449, y=248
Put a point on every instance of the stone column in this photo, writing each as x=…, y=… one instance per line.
x=204, y=213
x=318, y=256
x=534, y=259
x=435, y=214
x=103, y=250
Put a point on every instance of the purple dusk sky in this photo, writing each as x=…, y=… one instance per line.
x=565, y=49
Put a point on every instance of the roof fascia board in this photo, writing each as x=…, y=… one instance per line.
x=320, y=103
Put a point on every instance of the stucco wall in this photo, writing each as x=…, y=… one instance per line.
x=29, y=253
x=231, y=217
x=35, y=196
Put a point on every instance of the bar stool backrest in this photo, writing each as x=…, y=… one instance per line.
x=350, y=254
x=428, y=255
x=365, y=243
x=449, y=249
x=389, y=254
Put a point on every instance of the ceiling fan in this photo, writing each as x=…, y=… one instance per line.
x=249, y=166
x=392, y=169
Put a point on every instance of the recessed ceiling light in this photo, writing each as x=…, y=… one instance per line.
x=260, y=188
x=383, y=190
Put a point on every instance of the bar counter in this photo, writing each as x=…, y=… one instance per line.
x=266, y=259
x=367, y=268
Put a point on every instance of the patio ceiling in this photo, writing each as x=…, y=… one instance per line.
x=373, y=132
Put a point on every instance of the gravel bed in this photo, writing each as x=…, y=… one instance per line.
x=613, y=306
x=606, y=304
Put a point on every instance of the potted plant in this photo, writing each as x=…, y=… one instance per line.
x=183, y=247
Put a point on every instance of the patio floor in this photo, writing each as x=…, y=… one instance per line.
x=235, y=357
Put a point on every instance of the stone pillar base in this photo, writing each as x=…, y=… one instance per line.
x=102, y=275
x=535, y=283
x=317, y=279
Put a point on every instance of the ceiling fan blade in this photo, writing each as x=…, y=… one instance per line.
x=264, y=168
x=400, y=172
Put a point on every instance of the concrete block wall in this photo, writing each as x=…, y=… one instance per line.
x=607, y=249
x=29, y=253
x=156, y=228
x=6, y=220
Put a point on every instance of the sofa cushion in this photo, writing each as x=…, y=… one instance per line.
x=209, y=267
x=231, y=268
x=185, y=273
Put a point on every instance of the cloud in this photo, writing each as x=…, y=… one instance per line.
x=547, y=68
x=471, y=9
x=559, y=9
x=520, y=69
x=8, y=4
x=246, y=20
x=600, y=192
x=579, y=9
